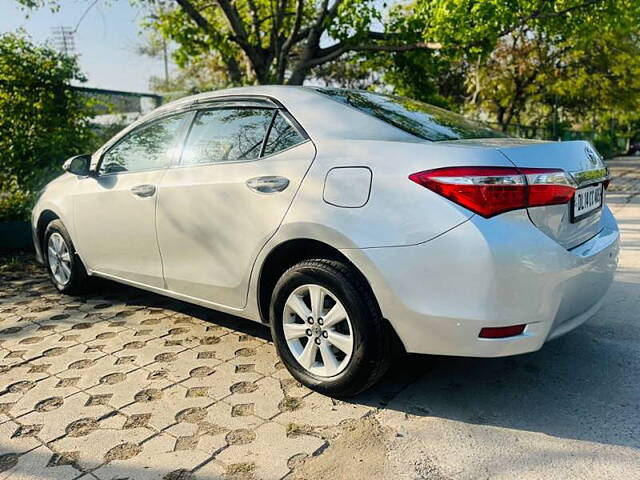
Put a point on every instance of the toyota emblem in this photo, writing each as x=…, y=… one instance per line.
x=591, y=155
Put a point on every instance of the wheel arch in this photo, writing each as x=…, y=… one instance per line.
x=44, y=219
x=285, y=255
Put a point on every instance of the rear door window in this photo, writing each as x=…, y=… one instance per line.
x=283, y=135
x=226, y=135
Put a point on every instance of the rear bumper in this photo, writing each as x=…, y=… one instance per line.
x=489, y=273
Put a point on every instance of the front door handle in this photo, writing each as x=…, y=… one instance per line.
x=268, y=184
x=143, y=191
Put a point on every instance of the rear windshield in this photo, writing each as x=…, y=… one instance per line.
x=420, y=119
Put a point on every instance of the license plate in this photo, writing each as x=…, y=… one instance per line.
x=586, y=201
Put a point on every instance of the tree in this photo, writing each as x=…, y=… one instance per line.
x=282, y=41
x=276, y=41
x=42, y=121
x=512, y=77
x=534, y=61
x=511, y=58
x=533, y=77
x=352, y=70
x=475, y=26
x=270, y=41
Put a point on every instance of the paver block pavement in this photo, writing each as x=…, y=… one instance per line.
x=268, y=449
x=37, y=464
x=121, y=383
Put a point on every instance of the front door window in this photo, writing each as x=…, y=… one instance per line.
x=145, y=148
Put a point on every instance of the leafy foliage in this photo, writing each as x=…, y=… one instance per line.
x=552, y=64
x=267, y=41
x=478, y=25
x=548, y=64
x=42, y=121
x=15, y=203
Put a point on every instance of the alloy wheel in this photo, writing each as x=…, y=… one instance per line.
x=318, y=331
x=59, y=258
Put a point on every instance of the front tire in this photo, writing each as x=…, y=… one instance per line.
x=65, y=267
x=328, y=329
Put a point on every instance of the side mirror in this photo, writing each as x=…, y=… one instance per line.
x=78, y=165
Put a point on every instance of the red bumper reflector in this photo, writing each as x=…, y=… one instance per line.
x=501, y=332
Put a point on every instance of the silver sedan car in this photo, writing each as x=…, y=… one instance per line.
x=346, y=220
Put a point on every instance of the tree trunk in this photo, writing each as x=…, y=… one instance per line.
x=298, y=76
x=233, y=69
x=507, y=118
x=261, y=68
x=500, y=118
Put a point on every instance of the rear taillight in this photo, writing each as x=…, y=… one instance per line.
x=489, y=191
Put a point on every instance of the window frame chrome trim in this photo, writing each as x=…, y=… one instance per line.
x=230, y=162
x=211, y=103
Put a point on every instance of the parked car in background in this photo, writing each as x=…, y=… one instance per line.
x=634, y=149
x=343, y=219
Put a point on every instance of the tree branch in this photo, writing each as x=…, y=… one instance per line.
x=322, y=11
x=290, y=41
x=259, y=58
x=336, y=50
x=296, y=27
x=195, y=15
x=279, y=14
x=233, y=16
x=255, y=16
x=397, y=48
x=235, y=74
x=539, y=14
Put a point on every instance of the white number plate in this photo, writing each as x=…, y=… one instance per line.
x=586, y=201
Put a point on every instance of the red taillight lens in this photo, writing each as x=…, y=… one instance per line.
x=548, y=186
x=484, y=190
x=489, y=191
x=501, y=332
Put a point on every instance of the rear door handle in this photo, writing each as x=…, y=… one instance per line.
x=143, y=190
x=268, y=184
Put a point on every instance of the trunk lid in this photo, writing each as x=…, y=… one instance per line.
x=580, y=160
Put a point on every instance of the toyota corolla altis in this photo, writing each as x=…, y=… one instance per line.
x=345, y=220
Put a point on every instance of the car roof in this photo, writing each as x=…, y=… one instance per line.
x=321, y=117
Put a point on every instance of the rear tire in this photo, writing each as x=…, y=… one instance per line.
x=63, y=263
x=337, y=351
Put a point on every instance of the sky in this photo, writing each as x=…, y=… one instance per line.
x=106, y=39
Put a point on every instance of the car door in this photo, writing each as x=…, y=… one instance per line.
x=238, y=173
x=115, y=209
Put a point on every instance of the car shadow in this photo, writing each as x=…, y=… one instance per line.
x=582, y=386
x=111, y=291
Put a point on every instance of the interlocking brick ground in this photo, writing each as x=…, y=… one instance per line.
x=124, y=384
